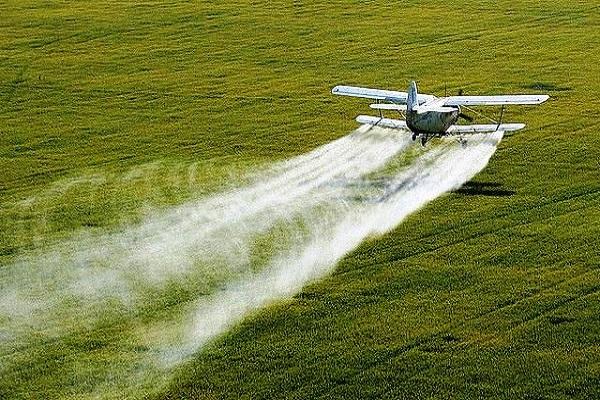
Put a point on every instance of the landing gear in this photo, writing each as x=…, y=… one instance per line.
x=424, y=138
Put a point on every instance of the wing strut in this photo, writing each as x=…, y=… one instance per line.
x=501, y=115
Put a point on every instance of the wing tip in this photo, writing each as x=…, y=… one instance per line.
x=534, y=99
x=366, y=119
x=344, y=90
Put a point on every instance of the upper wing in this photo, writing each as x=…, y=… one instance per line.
x=378, y=94
x=525, y=99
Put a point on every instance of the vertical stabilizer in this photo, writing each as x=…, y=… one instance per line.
x=412, y=102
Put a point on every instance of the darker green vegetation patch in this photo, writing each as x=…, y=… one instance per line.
x=547, y=87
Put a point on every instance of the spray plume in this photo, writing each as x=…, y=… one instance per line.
x=232, y=253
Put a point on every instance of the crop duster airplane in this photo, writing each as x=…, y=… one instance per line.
x=429, y=116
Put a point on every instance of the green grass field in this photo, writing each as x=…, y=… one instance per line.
x=109, y=109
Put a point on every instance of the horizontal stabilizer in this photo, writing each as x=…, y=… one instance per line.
x=460, y=129
x=383, y=122
x=385, y=106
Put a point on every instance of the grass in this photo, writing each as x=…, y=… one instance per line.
x=110, y=108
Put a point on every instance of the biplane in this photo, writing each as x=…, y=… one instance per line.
x=427, y=116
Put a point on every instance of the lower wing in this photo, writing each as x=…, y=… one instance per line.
x=462, y=129
x=383, y=122
x=453, y=130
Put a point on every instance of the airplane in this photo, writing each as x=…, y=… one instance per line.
x=429, y=116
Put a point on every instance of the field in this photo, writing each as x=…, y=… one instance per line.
x=112, y=110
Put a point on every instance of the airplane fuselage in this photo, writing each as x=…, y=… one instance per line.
x=434, y=121
x=428, y=116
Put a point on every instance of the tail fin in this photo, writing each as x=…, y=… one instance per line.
x=412, y=101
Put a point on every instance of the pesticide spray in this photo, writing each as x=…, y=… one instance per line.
x=227, y=255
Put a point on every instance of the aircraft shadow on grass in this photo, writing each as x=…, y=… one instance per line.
x=380, y=190
x=474, y=188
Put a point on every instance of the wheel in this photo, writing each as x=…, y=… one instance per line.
x=414, y=137
x=423, y=140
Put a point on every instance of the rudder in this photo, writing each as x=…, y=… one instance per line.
x=412, y=101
